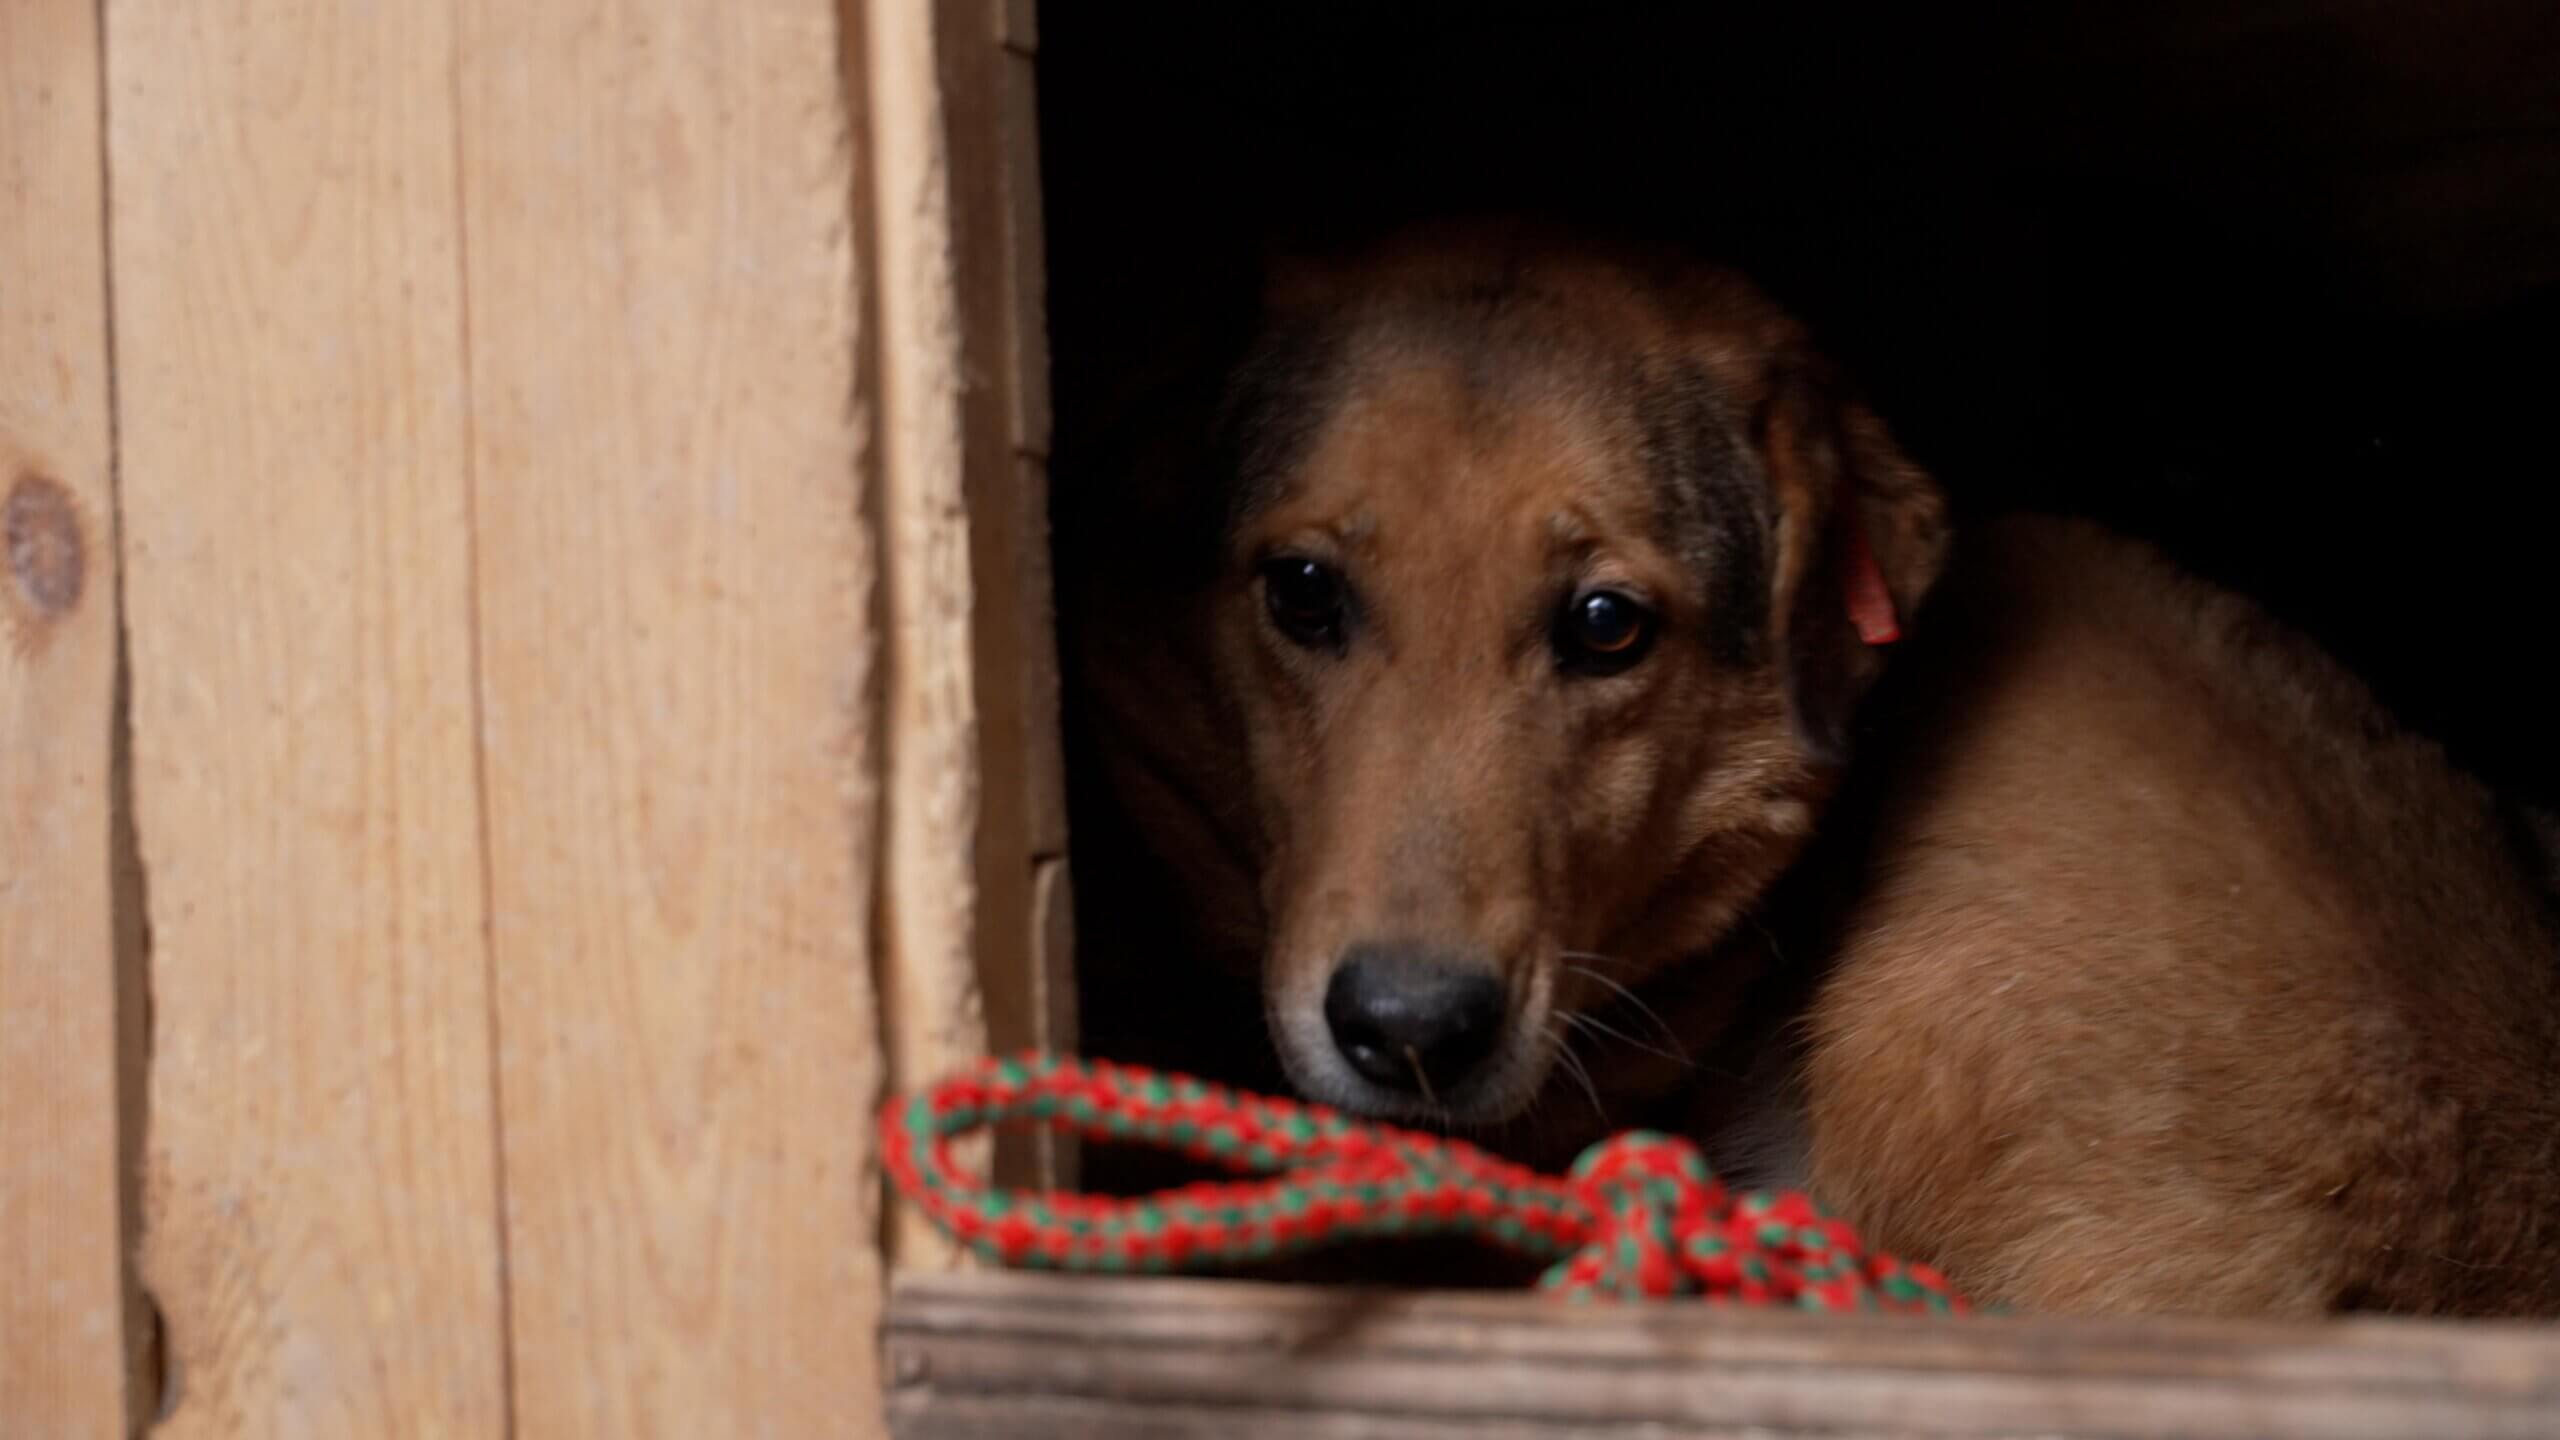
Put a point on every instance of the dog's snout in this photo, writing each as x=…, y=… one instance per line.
x=1413, y=1019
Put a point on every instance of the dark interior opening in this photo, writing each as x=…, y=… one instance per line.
x=2275, y=283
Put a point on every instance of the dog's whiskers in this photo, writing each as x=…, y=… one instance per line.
x=1413, y=1058
x=1768, y=937
x=1628, y=996
x=1591, y=1025
x=1581, y=1073
x=1532, y=1117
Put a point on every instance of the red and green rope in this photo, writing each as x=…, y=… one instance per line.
x=1640, y=1214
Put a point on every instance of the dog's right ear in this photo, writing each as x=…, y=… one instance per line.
x=1862, y=532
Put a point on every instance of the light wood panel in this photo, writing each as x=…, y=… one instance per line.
x=975, y=885
x=62, y=1369
x=931, y=907
x=670, y=458
x=997, y=1356
x=322, y=1191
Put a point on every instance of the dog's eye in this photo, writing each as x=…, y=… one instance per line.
x=1305, y=598
x=1602, y=632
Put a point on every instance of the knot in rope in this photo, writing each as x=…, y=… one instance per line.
x=1640, y=1215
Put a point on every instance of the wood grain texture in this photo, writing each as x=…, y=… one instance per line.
x=974, y=766
x=1020, y=20
x=1024, y=496
x=991, y=133
x=1005, y=1355
x=1025, y=260
x=322, y=1197
x=931, y=908
x=61, y=1273
x=674, y=583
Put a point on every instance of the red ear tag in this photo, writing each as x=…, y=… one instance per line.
x=1870, y=604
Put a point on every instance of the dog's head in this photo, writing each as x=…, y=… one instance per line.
x=1538, y=615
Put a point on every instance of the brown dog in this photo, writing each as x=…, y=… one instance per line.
x=1491, y=698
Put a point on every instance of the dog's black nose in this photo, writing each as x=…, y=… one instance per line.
x=1413, y=1020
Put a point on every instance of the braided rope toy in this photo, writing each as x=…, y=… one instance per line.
x=1639, y=1216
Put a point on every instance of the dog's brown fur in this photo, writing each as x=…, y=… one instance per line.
x=2144, y=966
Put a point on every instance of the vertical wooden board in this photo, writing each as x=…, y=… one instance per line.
x=321, y=1197
x=1051, y=957
x=61, y=1285
x=992, y=118
x=932, y=908
x=1026, y=259
x=1020, y=23
x=674, y=590
x=1003, y=521
x=974, y=804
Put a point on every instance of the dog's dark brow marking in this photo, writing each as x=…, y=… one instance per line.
x=1713, y=500
x=1300, y=370
x=1278, y=400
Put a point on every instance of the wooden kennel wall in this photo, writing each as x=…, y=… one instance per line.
x=549, y=491
x=524, y=704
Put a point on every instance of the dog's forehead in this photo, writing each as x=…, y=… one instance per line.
x=1443, y=454
x=1471, y=474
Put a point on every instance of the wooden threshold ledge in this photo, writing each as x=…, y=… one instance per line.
x=1017, y=1355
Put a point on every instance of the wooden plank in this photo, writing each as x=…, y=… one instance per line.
x=670, y=462
x=62, y=1284
x=1052, y=1160
x=1025, y=322
x=990, y=1355
x=322, y=1198
x=1020, y=22
x=931, y=909
x=1025, y=281
x=975, y=800
x=1008, y=536
x=1043, y=758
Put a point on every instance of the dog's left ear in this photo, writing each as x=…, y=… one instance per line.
x=1862, y=532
